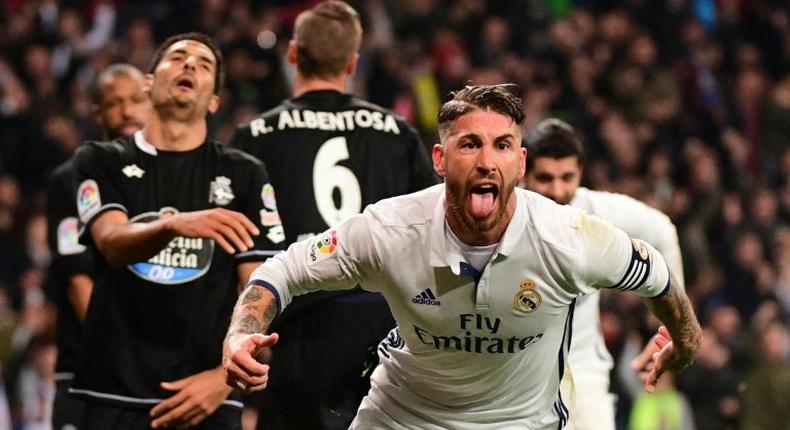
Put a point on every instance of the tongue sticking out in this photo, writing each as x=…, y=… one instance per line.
x=482, y=204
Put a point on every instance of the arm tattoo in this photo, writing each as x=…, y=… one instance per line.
x=675, y=311
x=247, y=316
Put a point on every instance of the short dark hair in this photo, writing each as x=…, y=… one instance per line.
x=552, y=138
x=326, y=37
x=500, y=98
x=108, y=74
x=219, y=70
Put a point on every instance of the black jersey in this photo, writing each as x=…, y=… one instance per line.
x=330, y=154
x=165, y=318
x=69, y=258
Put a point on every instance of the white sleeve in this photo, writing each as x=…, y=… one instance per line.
x=640, y=221
x=608, y=258
x=335, y=260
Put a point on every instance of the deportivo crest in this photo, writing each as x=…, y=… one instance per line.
x=267, y=197
x=527, y=299
x=182, y=260
x=88, y=198
x=133, y=171
x=323, y=247
x=220, y=192
x=68, y=237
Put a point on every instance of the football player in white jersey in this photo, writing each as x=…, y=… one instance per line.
x=482, y=278
x=554, y=169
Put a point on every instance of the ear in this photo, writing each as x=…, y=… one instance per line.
x=351, y=66
x=522, y=170
x=439, y=162
x=213, y=104
x=292, y=51
x=148, y=82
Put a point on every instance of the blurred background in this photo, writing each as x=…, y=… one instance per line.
x=684, y=104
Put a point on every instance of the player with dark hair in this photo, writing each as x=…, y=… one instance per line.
x=482, y=278
x=176, y=221
x=329, y=155
x=120, y=108
x=554, y=169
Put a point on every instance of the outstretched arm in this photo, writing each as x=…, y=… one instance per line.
x=675, y=311
x=254, y=312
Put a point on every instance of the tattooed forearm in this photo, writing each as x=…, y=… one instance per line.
x=254, y=312
x=675, y=311
x=251, y=294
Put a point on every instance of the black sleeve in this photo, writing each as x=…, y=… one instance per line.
x=69, y=257
x=422, y=174
x=98, y=182
x=240, y=138
x=260, y=206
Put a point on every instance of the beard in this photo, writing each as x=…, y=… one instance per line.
x=459, y=193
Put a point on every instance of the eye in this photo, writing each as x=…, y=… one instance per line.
x=503, y=145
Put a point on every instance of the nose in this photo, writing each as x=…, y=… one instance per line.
x=486, y=163
x=190, y=62
x=556, y=188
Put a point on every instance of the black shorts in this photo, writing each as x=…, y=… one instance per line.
x=68, y=411
x=101, y=416
x=320, y=368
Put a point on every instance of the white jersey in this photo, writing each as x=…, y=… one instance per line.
x=472, y=349
x=589, y=358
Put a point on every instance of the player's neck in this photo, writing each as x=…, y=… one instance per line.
x=306, y=84
x=174, y=135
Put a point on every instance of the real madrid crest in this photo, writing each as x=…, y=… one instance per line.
x=527, y=299
x=220, y=193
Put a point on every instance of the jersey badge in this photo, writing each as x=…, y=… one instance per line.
x=528, y=298
x=133, y=171
x=323, y=247
x=267, y=197
x=88, y=198
x=220, y=192
x=182, y=260
x=68, y=237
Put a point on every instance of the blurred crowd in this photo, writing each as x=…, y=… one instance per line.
x=684, y=104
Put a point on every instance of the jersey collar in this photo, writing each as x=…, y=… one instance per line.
x=444, y=255
x=143, y=144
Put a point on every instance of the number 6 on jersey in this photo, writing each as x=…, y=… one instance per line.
x=328, y=175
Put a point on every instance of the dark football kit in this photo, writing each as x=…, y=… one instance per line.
x=165, y=318
x=329, y=155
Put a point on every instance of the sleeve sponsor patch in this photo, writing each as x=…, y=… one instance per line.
x=267, y=197
x=322, y=247
x=68, y=237
x=88, y=199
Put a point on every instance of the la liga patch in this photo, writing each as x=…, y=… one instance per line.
x=88, y=199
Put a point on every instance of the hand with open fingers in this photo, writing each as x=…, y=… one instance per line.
x=195, y=398
x=243, y=372
x=669, y=358
x=229, y=229
x=644, y=362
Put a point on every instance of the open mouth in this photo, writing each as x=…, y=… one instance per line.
x=482, y=198
x=185, y=82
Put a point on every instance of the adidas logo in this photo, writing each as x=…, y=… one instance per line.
x=426, y=298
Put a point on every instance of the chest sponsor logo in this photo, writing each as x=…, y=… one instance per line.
x=220, y=192
x=182, y=260
x=68, y=237
x=426, y=298
x=323, y=247
x=133, y=171
x=88, y=198
x=478, y=334
x=527, y=299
